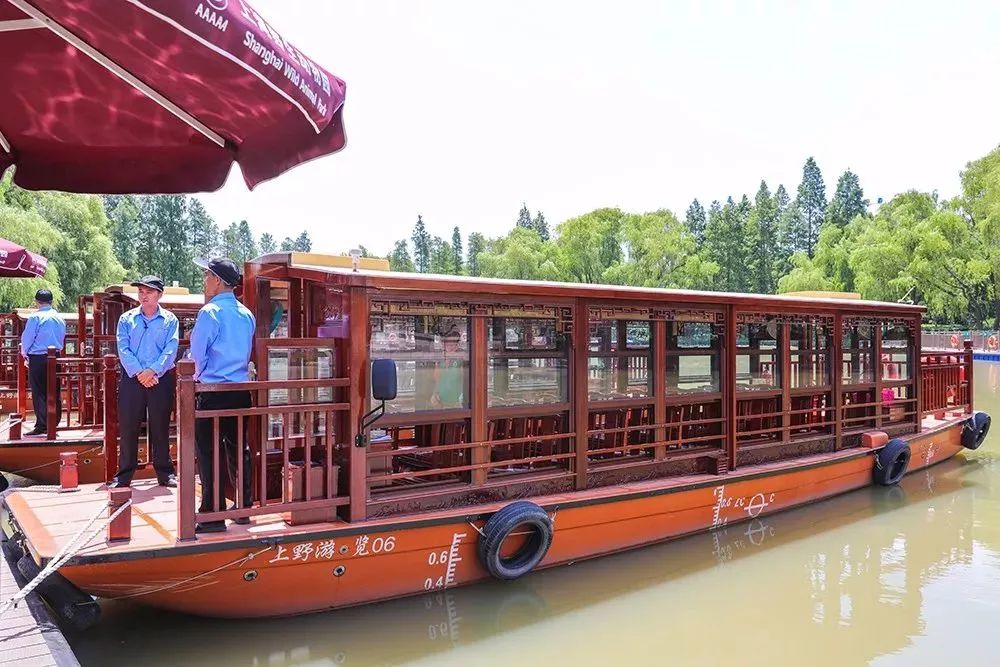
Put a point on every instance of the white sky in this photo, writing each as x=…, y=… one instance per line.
x=462, y=110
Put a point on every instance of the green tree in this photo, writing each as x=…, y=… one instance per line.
x=695, y=221
x=442, y=260
x=267, y=244
x=762, y=242
x=203, y=241
x=123, y=213
x=399, y=258
x=421, y=246
x=288, y=244
x=524, y=218
x=811, y=202
x=589, y=244
x=83, y=254
x=848, y=200
x=980, y=206
x=303, y=243
x=726, y=244
x=477, y=244
x=661, y=252
x=521, y=255
x=540, y=225
x=456, y=249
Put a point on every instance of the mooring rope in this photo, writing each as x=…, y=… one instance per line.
x=237, y=562
x=68, y=551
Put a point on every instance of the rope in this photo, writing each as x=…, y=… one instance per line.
x=68, y=551
x=88, y=451
x=237, y=562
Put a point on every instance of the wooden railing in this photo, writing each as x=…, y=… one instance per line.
x=946, y=381
x=309, y=458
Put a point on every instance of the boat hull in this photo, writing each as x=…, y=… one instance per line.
x=39, y=461
x=364, y=563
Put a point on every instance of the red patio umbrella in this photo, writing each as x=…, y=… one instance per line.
x=156, y=96
x=17, y=262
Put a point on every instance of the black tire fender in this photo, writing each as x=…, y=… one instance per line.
x=521, y=514
x=975, y=430
x=75, y=608
x=891, y=462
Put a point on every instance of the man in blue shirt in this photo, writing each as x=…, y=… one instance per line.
x=147, y=349
x=44, y=329
x=221, y=342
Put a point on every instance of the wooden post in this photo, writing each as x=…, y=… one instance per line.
x=185, y=449
x=357, y=370
x=877, y=344
x=837, y=379
x=51, y=393
x=729, y=385
x=81, y=326
x=659, y=370
x=110, y=381
x=69, y=477
x=479, y=402
x=784, y=351
x=121, y=528
x=969, y=361
x=22, y=383
x=917, y=375
x=581, y=410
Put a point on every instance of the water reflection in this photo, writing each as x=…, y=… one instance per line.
x=885, y=574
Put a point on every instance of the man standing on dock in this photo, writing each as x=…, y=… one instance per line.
x=44, y=329
x=147, y=348
x=221, y=342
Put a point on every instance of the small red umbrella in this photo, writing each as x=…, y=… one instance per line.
x=156, y=96
x=17, y=262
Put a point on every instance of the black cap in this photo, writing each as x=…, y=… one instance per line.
x=43, y=296
x=152, y=282
x=224, y=269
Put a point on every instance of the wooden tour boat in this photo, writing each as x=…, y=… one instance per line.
x=412, y=433
x=86, y=365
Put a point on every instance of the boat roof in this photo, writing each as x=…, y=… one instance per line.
x=843, y=301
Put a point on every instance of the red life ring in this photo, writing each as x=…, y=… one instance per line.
x=954, y=341
x=991, y=342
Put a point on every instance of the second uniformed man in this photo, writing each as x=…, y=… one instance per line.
x=147, y=348
x=220, y=347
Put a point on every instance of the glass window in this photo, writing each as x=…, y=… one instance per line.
x=299, y=363
x=692, y=358
x=809, y=356
x=616, y=371
x=528, y=362
x=858, y=359
x=758, y=356
x=273, y=308
x=432, y=360
x=897, y=351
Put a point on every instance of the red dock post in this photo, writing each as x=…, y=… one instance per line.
x=121, y=527
x=69, y=476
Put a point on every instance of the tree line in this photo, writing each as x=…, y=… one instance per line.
x=92, y=241
x=915, y=248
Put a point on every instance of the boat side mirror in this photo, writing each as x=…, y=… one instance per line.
x=383, y=389
x=383, y=379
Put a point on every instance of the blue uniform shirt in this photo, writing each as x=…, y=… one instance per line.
x=221, y=340
x=147, y=342
x=44, y=327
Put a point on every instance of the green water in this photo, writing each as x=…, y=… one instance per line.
x=904, y=576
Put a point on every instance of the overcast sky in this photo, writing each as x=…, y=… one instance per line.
x=462, y=110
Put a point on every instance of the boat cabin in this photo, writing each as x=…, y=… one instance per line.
x=511, y=389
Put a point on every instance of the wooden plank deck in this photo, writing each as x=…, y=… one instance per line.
x=28, y=637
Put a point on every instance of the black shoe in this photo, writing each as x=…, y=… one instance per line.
x=37, y=431
x=115, y=484
x=210, y=527
x=242, y=521
x=170, y=480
